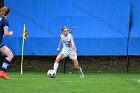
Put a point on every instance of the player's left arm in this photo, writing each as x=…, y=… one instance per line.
x=73, y=46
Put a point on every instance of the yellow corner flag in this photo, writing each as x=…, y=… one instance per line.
x=24, y=36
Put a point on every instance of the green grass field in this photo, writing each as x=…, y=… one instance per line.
x=71, y=83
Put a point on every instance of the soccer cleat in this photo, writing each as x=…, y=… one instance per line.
x=82, y=75
x=3, y=75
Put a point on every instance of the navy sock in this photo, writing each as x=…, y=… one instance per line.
x=1, y=69
x=5, y=65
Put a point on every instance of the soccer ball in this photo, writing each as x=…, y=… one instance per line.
x=51, y=73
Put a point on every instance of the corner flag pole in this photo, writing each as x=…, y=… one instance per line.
x=22, y=55
x=24, y=36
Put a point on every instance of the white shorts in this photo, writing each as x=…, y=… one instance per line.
x=67, y=52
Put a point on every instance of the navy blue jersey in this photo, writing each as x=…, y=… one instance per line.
x=3, y=23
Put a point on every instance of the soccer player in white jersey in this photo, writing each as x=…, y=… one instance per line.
x=68, y=49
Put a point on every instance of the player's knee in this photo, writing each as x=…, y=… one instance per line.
x=57, y=59
x=11, y=56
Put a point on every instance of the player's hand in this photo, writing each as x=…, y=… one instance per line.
x=73, y=53
x=58, y=49
x=10, y=33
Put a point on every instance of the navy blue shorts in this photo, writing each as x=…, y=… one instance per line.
x=1, y=45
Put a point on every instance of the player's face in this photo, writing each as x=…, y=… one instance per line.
x=65, y=32
x=6, y=16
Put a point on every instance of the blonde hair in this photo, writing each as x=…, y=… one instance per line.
x=64, y=27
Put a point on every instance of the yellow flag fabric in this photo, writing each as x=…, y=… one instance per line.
x=25, y=34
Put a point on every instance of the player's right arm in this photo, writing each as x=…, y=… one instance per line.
x=59, y=45
x=5, y=28
x=6, y=32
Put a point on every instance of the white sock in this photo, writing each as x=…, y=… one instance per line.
x=55, y=67
x=5, y=65
x=81, y=71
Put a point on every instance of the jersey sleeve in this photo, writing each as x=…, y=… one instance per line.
x=61, y=35
x=5, y=23
x=70, y=35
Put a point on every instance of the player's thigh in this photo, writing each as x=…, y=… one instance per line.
x=72, y=57
x=75, y=61
x=6, y=51
x=60, y=56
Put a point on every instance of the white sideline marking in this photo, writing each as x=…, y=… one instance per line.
x=28, y=78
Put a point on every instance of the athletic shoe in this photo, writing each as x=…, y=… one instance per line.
x=3, y=75
x=82, y=75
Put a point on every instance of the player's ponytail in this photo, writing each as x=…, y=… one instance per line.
x=0, y=12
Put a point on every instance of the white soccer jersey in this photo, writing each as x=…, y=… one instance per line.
x=66, y=41
x=67, y=47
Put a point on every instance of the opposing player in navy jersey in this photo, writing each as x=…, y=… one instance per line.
x=4, y=49
x=68, y=49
